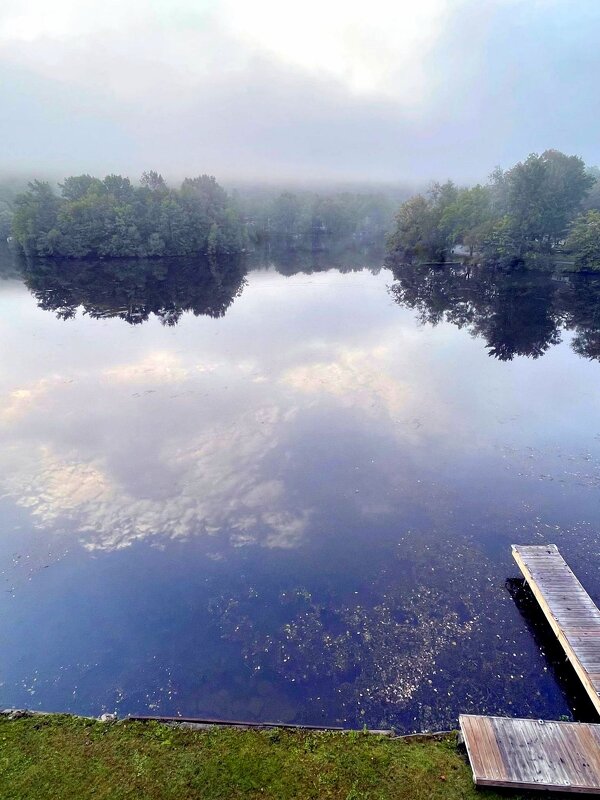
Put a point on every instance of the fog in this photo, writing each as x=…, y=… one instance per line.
x=379, y=91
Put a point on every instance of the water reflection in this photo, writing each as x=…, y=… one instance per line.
x=300, y=509
x=316, y=255
x=520, y=313
x=135, y=289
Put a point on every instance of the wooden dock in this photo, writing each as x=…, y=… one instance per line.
x=536, y=754
x=569, y=609
x=533, y=754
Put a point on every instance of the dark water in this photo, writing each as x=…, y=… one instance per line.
x=289, y=495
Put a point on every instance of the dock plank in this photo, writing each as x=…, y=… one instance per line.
x=533, y=754
x=571, y=612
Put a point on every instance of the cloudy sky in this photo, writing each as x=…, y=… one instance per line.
x=386, y=90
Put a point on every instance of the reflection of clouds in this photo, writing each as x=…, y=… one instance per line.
x=357, y=378
x=202, y=456
x=85, y=455
x=115, y=474
x=394, y=383
x=20, y=401
x=219, y=488
x=63, y=487
x=160, y=367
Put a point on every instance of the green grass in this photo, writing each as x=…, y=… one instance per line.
x=69, y=757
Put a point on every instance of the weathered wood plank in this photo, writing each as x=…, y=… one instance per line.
x=483, y=752
x=569, y=609
x=533, y=754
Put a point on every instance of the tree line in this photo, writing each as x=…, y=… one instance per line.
x=88, y=217
x=112, y=218
x=546, y=205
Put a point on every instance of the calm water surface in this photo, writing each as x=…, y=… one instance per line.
x=291, y=495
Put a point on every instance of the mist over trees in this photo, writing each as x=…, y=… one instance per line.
x=289, y=216
x=88, y=217
x=9, y=189
x=543, y=208
x=543, y=205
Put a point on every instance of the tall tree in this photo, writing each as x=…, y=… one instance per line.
x=584, y=241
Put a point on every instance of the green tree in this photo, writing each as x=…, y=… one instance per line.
x=35, y=216
x=415, y=228
x=6, y=223
x=544, y=193
x=78, y=186
x=213, y=240
x=520, y=213
x=567, y=184
x=583, y=241
x=419, y=230
x=153, y=181
x=120, y=188
x=466, y=219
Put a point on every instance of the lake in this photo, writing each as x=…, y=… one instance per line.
x=289, y=493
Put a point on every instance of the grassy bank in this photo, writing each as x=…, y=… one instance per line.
x=66, y=757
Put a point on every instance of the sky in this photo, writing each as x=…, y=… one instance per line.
x=274, y=90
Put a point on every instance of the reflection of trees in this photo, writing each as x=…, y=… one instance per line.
x=8, y=268
x=518, y=313
x=133, y=290
x=518, y=320
x=317, y=253
x=580, y=299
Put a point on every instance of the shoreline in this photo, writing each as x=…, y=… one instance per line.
x=196, y=723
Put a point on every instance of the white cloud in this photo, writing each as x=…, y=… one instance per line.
x=220, y=489
x=135, y=50
x=28, y=20
x=365, y=46
x=369, y=47
x=382, y=90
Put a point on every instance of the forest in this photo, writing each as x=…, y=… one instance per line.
x=112, y=218
x=547, y=206
x=88, y=217
x=542, y=211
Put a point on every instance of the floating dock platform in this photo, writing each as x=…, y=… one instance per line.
x=533, y=754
